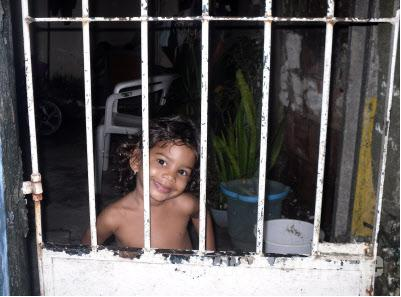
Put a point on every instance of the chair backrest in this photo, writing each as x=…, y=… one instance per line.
x=133, y=88
x=156, y=83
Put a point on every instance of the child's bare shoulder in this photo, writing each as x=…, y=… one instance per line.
x=119, y=208
x=187, y=203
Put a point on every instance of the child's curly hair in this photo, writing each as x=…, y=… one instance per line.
x=177, y=129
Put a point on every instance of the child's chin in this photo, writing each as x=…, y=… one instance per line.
x=157, y=199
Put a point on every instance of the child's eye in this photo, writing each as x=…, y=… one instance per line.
x=161, y=162
x=183, y=172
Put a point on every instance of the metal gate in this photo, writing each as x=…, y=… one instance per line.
x=102, y=271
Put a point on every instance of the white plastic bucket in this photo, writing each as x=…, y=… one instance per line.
x=285, y=236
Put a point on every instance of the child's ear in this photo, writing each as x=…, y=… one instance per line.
x=135, y=160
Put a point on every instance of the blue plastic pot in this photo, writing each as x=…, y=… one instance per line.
x=275, y=195
x=242, y=208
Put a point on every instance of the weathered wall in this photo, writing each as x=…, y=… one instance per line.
x=15, y=204
x=298, y=73
x=388, y=279
x=298, y=83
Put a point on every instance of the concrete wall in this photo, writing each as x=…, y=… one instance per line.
x=299, y=90
x=298, y=72
x=388, y=281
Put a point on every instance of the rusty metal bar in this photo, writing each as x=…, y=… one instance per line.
x=32, y=135
x=203, y=140
x=264, y=130
x=145, y=124
x=323, y=127
x=384, y=142
x=88, y=123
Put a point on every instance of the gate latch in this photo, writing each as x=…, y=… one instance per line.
x=34, y=187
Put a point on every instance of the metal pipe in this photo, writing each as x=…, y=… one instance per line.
x=204, y=125
x=32, y=135
x=323, y=128
x=264, y=131
x=217, y=19
x=88, y=123
x=145, y=124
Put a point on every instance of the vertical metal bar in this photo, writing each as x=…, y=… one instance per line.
x=264, y=129
x=29, y=86
x=330, y=8
x=204, y=110
x=88, y=121
x=323, y=126
x=32, y=133
x=145, y=122
x=390, y=87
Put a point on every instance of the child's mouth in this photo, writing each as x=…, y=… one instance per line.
x=161, y=188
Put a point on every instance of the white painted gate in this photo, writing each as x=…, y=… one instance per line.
x=331, y=269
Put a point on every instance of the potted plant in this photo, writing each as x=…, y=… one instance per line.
x=236, y=152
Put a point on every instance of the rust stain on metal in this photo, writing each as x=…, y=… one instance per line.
x=368, y=251
x=29, y=19
x=370, y=291
x=37, y=197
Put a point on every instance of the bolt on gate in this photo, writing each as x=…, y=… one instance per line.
x=99, y=270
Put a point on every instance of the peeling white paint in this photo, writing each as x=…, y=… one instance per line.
x=313, y=96
x=324, y=116
x=103, y=273
x=204, y=125
x=393, y=145
x=378, y=128
x=383, y=87
x=304, y=91
x=264, y=131
x=332, y=20
x=396, y=92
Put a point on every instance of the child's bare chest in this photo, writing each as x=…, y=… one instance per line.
x=168, y=230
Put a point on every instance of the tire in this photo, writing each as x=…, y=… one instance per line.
x=48, y=117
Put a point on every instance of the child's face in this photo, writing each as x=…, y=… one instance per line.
x=170, y=169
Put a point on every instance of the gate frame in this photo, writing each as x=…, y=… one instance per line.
x=359, y=257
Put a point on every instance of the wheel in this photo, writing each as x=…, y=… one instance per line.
x=48, y=117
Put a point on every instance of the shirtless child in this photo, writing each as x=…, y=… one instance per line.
x=173, y=167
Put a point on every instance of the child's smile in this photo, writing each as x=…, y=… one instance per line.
x=161, y=188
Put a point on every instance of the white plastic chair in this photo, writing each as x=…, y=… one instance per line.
x=116, y=122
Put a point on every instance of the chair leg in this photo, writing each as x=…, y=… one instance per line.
x=99, y=158
x=106, y=152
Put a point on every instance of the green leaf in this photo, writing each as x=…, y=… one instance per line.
x=248, y=109
x=277, y=144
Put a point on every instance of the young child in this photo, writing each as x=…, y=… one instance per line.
x=173, y=172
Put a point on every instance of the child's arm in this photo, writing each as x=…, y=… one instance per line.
x=210, y=245
x=106, y=224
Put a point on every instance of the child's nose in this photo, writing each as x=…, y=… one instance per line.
x=169, y=175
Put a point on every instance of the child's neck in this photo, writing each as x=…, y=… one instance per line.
x=138, y=197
